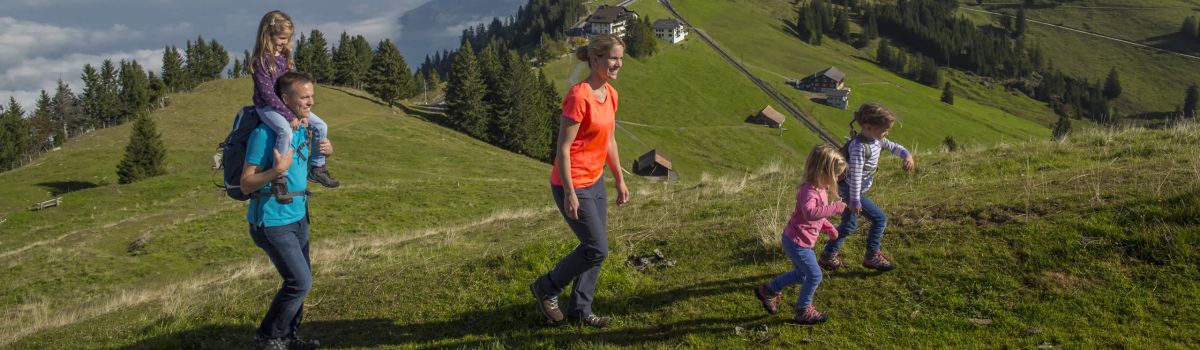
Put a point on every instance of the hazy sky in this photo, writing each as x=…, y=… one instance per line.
x=43, y=40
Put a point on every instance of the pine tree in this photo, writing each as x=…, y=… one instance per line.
x=465, y=91
x=319, y=64
x=1020, y=24
x=173, y=74
x=363, y=59
x=67, y=112
x=1112, y=85
x=215, y=60
x=390, y=79
x=135, y=91
x=1188, y=30
x=14, y=135
x=41, y=125
x=872, y=30
x=843, y=26
x=145, y=154
x=492, y=71
x=883, y=55
x=300, y=57
x=343, y=62
x=246, y=64
x=1190, y=101
x=158, y=91
x=1062, y=128
x=948, y=94
x=109, y=100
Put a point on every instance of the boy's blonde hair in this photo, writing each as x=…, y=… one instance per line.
x=598, y=47
x=273, y=23
x=824, y=165
x=874, y=114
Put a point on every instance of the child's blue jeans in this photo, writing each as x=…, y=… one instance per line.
x=805, y=271
x=850, y=223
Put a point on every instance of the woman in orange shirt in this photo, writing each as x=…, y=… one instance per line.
x=585, y=144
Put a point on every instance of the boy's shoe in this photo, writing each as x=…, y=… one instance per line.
x=547, y=305
x=279, y=189
x=320, y=174
x=769, y=301
x=878, y=261
x=810, y=316
x=263, y=343
x=591, y=320
x=831, y=262
x=295, y=343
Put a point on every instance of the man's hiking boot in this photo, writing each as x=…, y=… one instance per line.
x=878, y=261
x=769, y=301
x=810, y=315
x=295, y=343
x=320, y=174
x=591, y=320
x=547, y=305
x=279, y=189
x=264, y=343
x=831, y=261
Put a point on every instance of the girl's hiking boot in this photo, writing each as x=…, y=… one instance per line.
x=810, y=316
x=547, y=305
x=320, y=174
x=591, y=320
x=878, y=261
x=830, y=261
x=769, y=301
x=264, y=343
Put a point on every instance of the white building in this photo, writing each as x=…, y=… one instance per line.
x=610, y=20
x=670, y=30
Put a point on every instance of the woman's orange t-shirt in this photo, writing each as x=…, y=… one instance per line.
x=596, y=120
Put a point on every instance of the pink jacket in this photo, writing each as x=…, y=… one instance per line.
x=812, y=207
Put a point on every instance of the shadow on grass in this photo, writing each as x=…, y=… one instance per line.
x=58, y=188
x=514, y=325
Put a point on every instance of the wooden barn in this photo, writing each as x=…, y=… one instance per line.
x=767, y=116
x=654, y=164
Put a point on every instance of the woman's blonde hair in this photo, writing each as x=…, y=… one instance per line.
x=823, y=167
x=273, y=23
x=599, y=46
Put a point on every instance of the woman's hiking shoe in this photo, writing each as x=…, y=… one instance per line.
x=591, y=320
x=547, y=305
x=878, y=261
x=769, y=301
x=831, y=261
x=320, y=174
x=810, y=316
x=295, y=343
x=263, y=343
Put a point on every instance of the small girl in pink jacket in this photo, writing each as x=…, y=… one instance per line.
x=821, y=171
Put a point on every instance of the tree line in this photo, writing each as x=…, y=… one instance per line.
x=113, y=94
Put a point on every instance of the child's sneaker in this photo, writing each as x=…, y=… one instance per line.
x=810, y=316
x=768, y=300
x=878, y=261
x=320, y=174
x=591, y=320
x=831, y=262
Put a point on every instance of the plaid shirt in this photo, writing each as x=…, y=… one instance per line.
x=862, y=161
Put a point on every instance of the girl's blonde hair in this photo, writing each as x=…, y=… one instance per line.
x=273, y=23
x=599, y=46
x=823, y=167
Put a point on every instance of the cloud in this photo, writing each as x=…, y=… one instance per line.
x=41, y=73
x=22, y=39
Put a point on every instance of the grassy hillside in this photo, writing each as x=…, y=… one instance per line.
x=754, y=32
x=399, y=173
x=1086, y=243
x=1152, y=81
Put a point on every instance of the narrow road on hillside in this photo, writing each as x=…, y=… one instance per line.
x=1123, y=41
x=805, y=119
